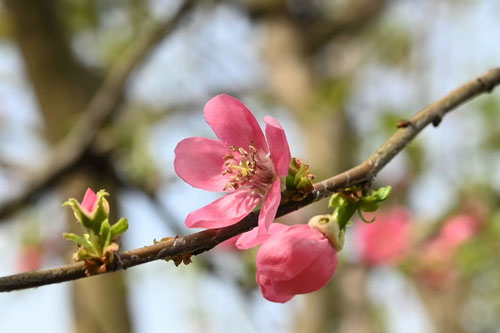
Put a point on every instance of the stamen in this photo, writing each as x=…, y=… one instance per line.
x=249, y=170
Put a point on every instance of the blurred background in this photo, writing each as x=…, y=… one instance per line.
x=338, y=75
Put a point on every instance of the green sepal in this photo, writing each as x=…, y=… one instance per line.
x=81, y=254
x=371, y=203
x=379, y=195
x=344, y=212
x=360, y=213
x=299, y=174
x=94, y=244
x=91, y=222
x=102, y=211
x=299, y=178
x=289, y=181
x=346, y=203
x=335, y=201
x=78, y=240
x=87, y=221
x=105, y=234
x=369, y=206
x=305, y=185
x=119, y=228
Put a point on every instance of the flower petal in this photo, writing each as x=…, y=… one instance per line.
x=278, y=145
x=233, y=123
x=223, y=212
x=200, y=163
x=249, y=239
x=268, y=291
x=284, y=255
x=89, y=202
x=312, y=278
x=269, y=207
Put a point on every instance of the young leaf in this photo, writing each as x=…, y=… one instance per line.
x=119, y=228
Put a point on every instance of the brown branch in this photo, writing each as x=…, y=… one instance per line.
x=68, y=153
x=180, y=248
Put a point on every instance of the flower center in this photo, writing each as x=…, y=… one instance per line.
x=249, y=169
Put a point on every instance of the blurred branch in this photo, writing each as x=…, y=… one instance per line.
x=317, y=23
x=182, y=248
x=358, y=16
x=67, y=154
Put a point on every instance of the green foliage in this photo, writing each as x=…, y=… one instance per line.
x=346, y=203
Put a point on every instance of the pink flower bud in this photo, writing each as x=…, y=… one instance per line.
x=294, y=260
x=89, y=202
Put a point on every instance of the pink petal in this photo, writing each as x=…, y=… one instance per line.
x=233, y=123
x=223, y=212
x=278, y=145
x=268, y=291
x=228, y=244
x=89, y=202
x=312, y=277
x=200, y=163
x=269, y=207
x=285, y=254
x=249, y=239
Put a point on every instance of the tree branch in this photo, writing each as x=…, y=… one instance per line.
x=68, y=153
x=182, y=248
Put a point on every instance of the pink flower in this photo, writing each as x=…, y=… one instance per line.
x=242, y=163
x=294, y=260
x=386, y=240
x=89, y=202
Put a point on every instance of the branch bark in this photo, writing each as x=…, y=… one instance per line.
x=182, y=248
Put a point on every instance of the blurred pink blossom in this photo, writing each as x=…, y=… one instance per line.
x=435, y=259
x=385, y=241
x=294, y=260
x=30, y=257
x=459, y=229
x=242, y=163
x=454, y=232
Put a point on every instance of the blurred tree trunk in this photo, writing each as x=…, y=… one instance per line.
x=342, y=305
x=444, y=305
x=63, y=87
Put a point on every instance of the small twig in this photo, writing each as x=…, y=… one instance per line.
x=68, y=153
x=176, y=248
